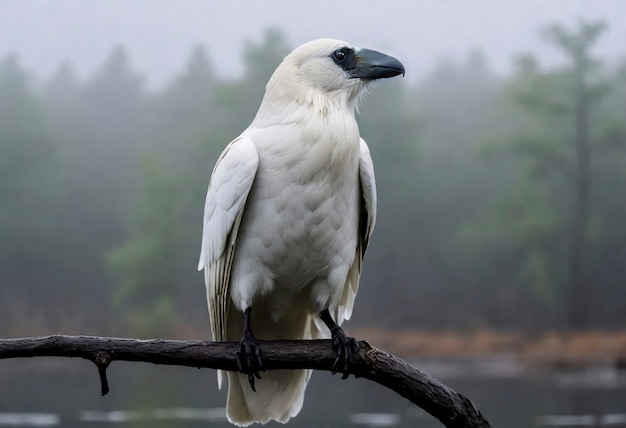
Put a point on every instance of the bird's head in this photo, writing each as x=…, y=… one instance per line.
x=332, y=69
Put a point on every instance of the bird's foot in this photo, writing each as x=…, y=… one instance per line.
x=249, y=358
x=345, y=346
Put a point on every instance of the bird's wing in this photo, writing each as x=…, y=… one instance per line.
x=367, y=219
x=229, y=187
x=368, y=196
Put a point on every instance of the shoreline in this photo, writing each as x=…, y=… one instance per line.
x=550, y=350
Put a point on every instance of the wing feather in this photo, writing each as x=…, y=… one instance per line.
x=367, y=220
x=230, y=184
x=368, y=196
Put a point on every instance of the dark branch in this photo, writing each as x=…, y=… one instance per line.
x=451, y=408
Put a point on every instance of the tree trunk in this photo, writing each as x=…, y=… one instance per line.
x=578, y=297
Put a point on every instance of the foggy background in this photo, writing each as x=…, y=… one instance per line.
x=500, y=159
x=159, y=34
x=501, y=170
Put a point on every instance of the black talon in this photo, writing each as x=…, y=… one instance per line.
x=248, y=353
x=342, y=344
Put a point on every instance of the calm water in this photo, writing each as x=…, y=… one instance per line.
x=65, y=393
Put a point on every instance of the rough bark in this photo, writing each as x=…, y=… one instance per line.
x=451, y=408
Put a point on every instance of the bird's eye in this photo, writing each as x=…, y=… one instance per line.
x=339, y=54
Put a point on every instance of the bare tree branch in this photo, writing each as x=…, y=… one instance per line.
x=451, y=408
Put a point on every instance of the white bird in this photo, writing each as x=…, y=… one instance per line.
x=289, y=211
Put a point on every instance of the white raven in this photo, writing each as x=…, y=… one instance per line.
x=289, y=211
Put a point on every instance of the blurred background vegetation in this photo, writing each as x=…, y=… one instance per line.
x=502, y=199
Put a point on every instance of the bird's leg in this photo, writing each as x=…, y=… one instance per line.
x=343, y=345
x=248, y=353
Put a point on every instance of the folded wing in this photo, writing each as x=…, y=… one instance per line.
x=367, y=219
x=226, y=197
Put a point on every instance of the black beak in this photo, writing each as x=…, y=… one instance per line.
x=373, y=65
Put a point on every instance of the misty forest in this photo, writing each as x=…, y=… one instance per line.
x=501, y=197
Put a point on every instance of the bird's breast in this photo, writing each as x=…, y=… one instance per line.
x=302, y=214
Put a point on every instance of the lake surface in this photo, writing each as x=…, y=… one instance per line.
x=60, y=392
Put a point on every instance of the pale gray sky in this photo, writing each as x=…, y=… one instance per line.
x=159, y=34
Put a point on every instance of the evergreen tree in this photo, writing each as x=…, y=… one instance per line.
x=548, y=212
